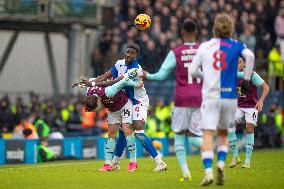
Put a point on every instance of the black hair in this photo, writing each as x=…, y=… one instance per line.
x=189, y=26
x=91, y=103
x=134, y=46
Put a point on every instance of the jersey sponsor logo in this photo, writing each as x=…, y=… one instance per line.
x=218, y=89
x=239, y=91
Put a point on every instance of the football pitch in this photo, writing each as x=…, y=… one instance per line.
x=267, y=171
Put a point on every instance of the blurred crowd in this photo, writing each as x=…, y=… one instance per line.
x=49, y=117
x=58, y=118
x=255, y=25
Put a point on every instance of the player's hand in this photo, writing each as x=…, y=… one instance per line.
x=245, y=87
x=78, y=84
x=144, y=76
x=85, y=83
x=140, y=84
x=259, y=105
x=75, y=84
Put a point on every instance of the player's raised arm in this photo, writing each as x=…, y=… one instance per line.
x=167, y=67
x=196, y=64
x=249, y=57
x=112, y=90
x=104, y=77
x=259, y=82
x=108, y=82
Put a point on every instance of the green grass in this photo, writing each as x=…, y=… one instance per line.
x=267, y=172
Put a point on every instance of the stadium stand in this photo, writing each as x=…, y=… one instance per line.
x=254, y=23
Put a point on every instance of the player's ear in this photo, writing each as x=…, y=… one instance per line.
x=136, y=54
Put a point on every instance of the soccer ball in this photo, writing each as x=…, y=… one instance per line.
x=142, y=21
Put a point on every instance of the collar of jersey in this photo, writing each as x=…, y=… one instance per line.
x=131, y=65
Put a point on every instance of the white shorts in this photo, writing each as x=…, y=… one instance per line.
x=218, y=113
x=186, y=118
x=140, y=110
x=124, y=115
x=250, y=115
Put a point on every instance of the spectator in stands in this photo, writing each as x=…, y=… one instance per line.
x=275, y=68
x=45, y=154
x=279, y=125
x=74, y=122
x=7, y=119
x=248, y=37
x=152, y=128
x=167, y=17
x=97, y=62
x=25, y=129
x=42, y=128
x=279, y=30
x=270, y=130
x=163, y=115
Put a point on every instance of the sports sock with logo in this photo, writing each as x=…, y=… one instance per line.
x=233, y=143
x=179, y=146
x=109, y=150
x=147, y=144
x=249, y=146
x=207, y=159
x=222, y=152
x=120, y=144
x=131, y=147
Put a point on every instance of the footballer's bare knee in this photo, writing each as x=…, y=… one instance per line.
x=112, y=129
x=249, y=128
x=138, y=125
x=127, y=129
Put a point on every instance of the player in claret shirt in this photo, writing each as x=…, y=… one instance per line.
x=120, y=114
x=186, y=112
x=248, y=107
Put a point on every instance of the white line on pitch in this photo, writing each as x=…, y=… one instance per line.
x=52, y=165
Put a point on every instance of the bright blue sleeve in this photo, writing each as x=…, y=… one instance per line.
x=256, y=79
x=167, y=67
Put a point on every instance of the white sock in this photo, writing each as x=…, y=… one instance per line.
x=158, y=159
x=208, y=171
x=116, y=159
x=132, y=159
x=185, y=170
x=108, y=162
x=221, y=164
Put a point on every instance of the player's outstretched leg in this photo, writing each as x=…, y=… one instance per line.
x=119, y=148
x=179, y=146
x=147, y=144
x=249, y=144
x=234, y=147
x=149, y=147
